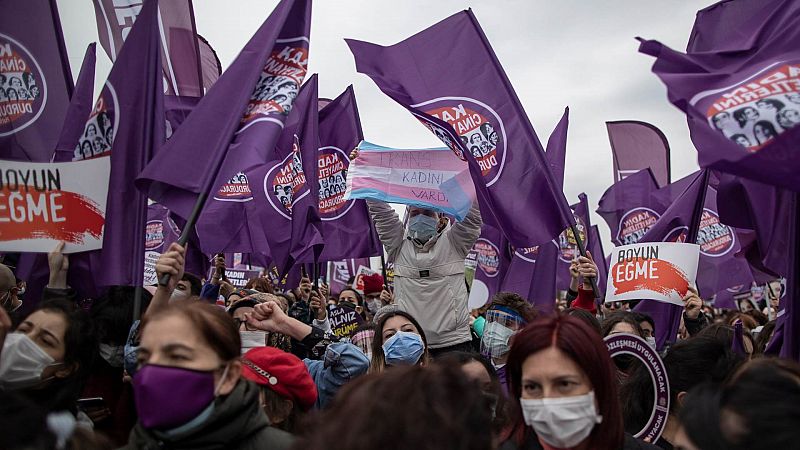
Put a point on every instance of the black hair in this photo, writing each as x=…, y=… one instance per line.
x=640, y=317
x=767, y=125
x=616, y=317
x=688, y=363
x=112, y=313
x=194, y=281
x=585, y=316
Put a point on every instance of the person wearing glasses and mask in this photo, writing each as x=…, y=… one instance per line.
x=8, y=293
x=507, y=314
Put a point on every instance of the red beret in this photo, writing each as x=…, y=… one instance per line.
x=372, y=283
x=282, y=372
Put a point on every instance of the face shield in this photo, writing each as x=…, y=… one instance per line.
x=501, y=323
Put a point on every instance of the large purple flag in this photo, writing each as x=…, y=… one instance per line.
x=127, y=125
x=639, y=145
x=457, y=79
x=181, y=57
x=742, y=104
x=628, y=208
x=233, y=129
x=346, y=226
x=80, y=107
x=532, y=274
x=35, y=80
x=285, y=206
x=490, y=256
x=728, y=25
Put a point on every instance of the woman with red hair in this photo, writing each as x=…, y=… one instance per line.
x=561, y=372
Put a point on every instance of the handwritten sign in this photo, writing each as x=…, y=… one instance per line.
x=412, y=177
x=661, y=271
x=238, y=278
x=344, y=320
x=44, y=203
x=629, y=344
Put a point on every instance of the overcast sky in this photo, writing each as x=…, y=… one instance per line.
x=576, y=53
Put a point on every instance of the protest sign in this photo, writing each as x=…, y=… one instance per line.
x=628, y=344
x=44, y=203
x=344, y=320
x=655, y=271
x=411, y=177
x=358, y=283
x=238, y=278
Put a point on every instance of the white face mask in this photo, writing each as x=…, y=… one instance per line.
x=113, y=354
x=495, y=340
x=178, y=295
x=252, y=339
x=22, y=362
x=562, y=422
x=651, y=341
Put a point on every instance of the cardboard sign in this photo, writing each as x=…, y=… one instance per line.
x=44, y=203
x=659, y=271
x=628, y=344
x=238, y=278
x=344, y=320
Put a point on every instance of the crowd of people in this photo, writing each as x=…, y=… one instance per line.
x=211, y=366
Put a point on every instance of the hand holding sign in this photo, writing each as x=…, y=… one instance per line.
x=661, y=271
x=59, y=265
x=387, y=297
x=693, y=304
x=316, y=305
x=172, y=263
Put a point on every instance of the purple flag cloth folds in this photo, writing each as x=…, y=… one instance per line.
x=628, y=208
x=458, y=81
x=130, y=113
x=80, y=107
x=639, y=145
x=490, y=255
x=596, y=247
x=568, y=246
x=160, y=233
x=339, y=272
x=233, y=129
x=35, y=80
x=177, y=37
x=742, y=104
x=556, y=150
x=286, y=201
x=346, y=225
x=727, y=26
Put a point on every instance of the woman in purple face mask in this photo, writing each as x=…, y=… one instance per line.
x=188, y=390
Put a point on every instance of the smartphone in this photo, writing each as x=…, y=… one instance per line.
x=91, y=403
x=220, y=270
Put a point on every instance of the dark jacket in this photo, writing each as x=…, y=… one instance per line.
x=237, y=423
x=532, y=443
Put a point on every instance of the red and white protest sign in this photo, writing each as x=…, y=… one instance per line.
x=358, y=282
x=661, y=271
x=44, y=203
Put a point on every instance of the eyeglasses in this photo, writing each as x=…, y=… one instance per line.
x=240, y=322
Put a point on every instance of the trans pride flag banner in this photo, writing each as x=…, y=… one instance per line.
x=432, y=178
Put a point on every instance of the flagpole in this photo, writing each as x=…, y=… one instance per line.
x=383, y=271
x=190, y=223
x=582, y=251
x=697, y=214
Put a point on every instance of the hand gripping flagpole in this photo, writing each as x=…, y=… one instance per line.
x=190, y=223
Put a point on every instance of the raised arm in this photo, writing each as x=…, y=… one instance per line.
x=464, y=234
x=387, y=224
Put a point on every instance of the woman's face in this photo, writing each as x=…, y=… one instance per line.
x=623, y=327
x=395, y=324
x=751, y=113
x=47, y=330
x=239, y=316
x=762, y=133
x=348, y=296
x=745, y=306
x=172, y=341
x=550, y=373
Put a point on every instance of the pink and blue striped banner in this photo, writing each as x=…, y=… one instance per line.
x=433, y=178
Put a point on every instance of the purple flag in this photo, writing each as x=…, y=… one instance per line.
x=568, y=246
x=161, y=231
x=127, y=124
x=177, y=37
x=639, y=145
x=532, y=274
x=35, y=80
x=210, y=65
x=742, y=104
x=285, y=206
x=727, y=26
x=628, y=208
x=458, y=80
x=233, y=129
x=339, y=272
x=490, y=257
x=346, y=226
x=556, y=150
x=80, y=107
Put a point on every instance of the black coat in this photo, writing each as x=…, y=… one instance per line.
x=532, y=443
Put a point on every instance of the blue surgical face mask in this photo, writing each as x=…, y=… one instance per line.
x=422, y=228
x=403, y=349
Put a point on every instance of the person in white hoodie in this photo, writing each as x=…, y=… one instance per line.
x=429, y=278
